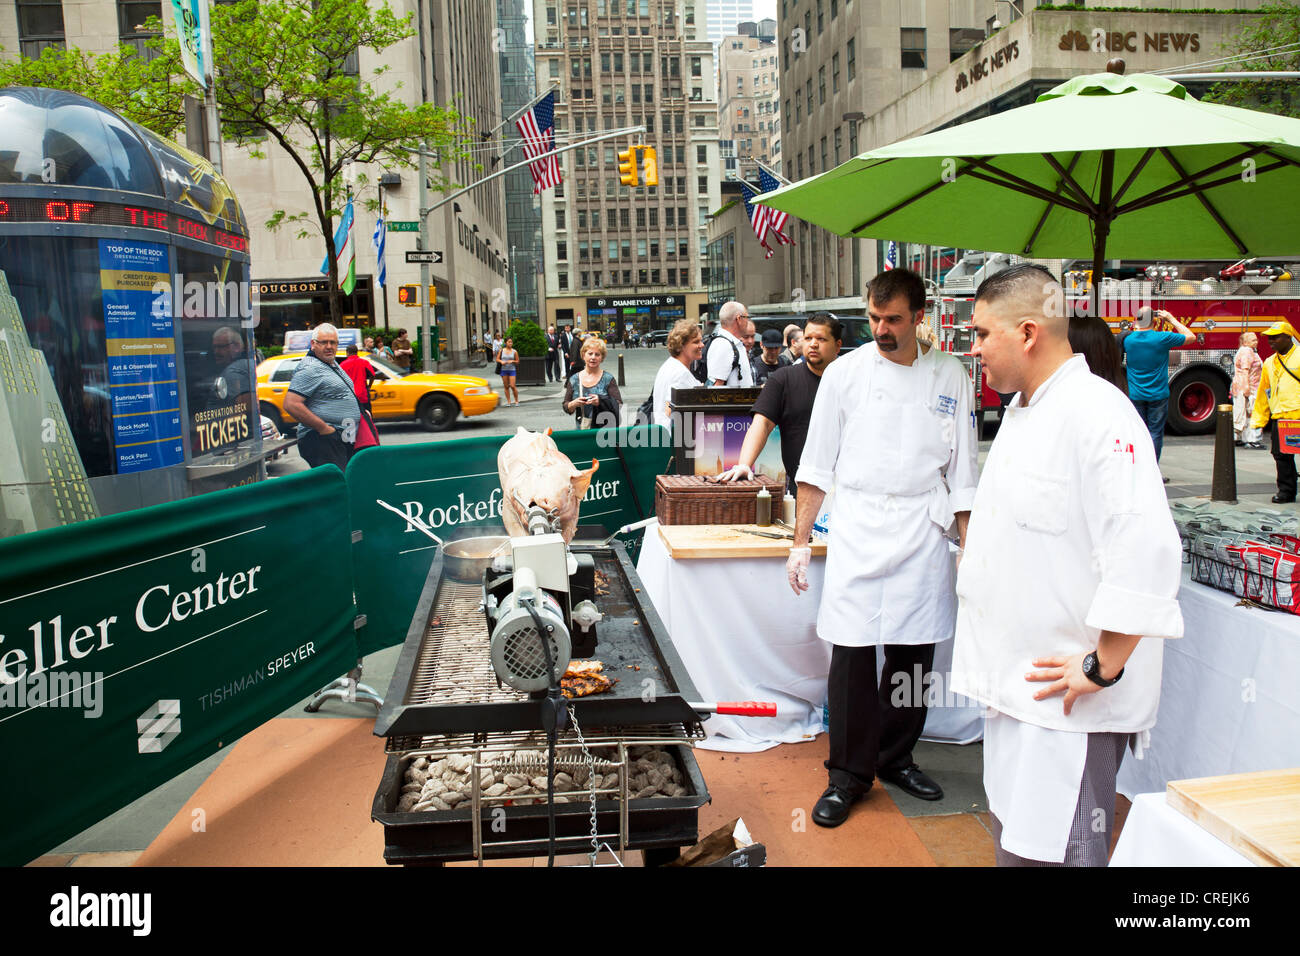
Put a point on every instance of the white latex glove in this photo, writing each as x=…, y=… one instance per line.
x=738, y=473
x=796, y=568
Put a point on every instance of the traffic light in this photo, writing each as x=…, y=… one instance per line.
x=650, y=160
x=433, y=295
x=627, y=174
x=408, y=295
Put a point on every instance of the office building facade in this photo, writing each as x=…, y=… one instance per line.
x=749, y=99
x=620, y=256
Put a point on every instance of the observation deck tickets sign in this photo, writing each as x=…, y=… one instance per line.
x=140, y=347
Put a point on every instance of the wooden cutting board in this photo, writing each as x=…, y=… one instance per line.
x=726, y=541
x=1257, y=814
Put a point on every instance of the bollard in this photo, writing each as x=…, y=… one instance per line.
x=1224, y=482
x=622, y=379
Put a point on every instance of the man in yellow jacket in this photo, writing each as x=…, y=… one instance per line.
x=1279, y=397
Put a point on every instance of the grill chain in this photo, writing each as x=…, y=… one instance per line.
x=591, y=770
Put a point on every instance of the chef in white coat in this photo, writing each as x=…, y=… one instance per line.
x=893, y=431
x=1068, y=582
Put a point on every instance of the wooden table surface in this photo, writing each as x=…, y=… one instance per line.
x=685, y=541
x=1257, y=814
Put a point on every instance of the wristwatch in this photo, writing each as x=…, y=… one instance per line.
x=1092, y=671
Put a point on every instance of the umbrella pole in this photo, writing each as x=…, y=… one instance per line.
x=1105, y=213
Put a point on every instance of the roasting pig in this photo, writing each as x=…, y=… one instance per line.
x=534, y=472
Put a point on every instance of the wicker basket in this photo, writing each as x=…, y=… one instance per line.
x=690, y=499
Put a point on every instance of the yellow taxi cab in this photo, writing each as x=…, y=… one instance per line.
x=433, y=399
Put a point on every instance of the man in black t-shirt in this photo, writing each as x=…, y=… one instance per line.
x=787, y=400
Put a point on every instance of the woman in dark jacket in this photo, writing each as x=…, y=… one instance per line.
x=591, y=394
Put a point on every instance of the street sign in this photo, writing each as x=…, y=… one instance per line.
x=404, y=225
x=431, y=256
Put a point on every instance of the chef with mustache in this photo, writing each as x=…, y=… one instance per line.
x=893, y=430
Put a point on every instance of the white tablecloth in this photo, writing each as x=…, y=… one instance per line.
x=744, y=635
x=1228, y=700
x=1155, y=834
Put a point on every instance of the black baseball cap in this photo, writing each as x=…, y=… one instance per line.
x=772, y=338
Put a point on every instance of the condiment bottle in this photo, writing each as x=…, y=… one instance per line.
x=764, y=508
x=787, y=509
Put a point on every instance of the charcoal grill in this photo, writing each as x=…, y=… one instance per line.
x=445, y=699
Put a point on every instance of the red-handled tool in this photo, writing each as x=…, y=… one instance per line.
x=743, y=708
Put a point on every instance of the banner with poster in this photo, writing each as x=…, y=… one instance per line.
x=140, y=342
x=134, y=646
x=454, y=484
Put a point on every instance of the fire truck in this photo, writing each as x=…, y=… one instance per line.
x=1218, y=303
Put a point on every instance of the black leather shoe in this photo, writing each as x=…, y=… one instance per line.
x=832, y=808
x=914, y=781
x=1282, y=499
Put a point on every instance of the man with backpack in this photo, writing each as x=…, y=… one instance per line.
x=726, y=359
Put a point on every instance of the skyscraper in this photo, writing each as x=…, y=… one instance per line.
x=523, y=208
x=610, y=247
x=724, y=15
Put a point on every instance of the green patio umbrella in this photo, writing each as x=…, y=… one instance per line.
x=1125, y=166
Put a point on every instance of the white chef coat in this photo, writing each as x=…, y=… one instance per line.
x=721, y=357
x=1070, y=535
x=899, y=443
x=672, y=374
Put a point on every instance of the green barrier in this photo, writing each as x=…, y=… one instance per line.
x=454, y=483
x=134, y=646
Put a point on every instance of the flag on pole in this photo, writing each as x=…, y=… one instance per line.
x=891, y=255
x=775, y=218
x=345, y=251
x=195, y=36
x=765, y=221
x=537, y=126
x=759, y=217
x=377, y=240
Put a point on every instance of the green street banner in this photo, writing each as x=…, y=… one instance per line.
x=134, y=646
x=454, y=484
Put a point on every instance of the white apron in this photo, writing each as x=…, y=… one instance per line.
x=889, y=570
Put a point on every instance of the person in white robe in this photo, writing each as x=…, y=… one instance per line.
x=1068, y=582
x=893, y=431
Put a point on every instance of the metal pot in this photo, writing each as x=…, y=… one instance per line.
x=465, y=559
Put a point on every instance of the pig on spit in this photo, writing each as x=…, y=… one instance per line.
x=534, y=472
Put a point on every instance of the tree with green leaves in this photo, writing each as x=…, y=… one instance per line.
x=148, y=92
x=1272, y=34
x=287, y=72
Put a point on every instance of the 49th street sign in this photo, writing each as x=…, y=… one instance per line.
x=404, y=225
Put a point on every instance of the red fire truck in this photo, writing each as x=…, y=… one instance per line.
x=1217, y=309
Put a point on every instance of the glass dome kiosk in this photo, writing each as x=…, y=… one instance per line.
x=126, y=347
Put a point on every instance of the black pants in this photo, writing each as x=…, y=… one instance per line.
x=1285, y=461
x=875, y=727
x=552, y=366
x=317, y=449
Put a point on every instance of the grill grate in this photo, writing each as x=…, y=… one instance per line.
x=454, y=665
x=642, y=735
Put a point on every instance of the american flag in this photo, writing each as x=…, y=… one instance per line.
x=775, y=220
x=891, y=256
x=763, y=219
x=537, y=127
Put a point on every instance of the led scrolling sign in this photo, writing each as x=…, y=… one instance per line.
x=114, y=214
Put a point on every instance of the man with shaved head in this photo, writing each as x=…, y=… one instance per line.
x=1069, y=580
